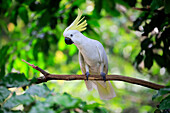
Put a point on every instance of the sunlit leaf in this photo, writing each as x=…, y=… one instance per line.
x=91, y=106
x=23, y=13
x=61, y=44
x=72, y=50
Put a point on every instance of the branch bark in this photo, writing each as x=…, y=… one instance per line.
x=48, y=76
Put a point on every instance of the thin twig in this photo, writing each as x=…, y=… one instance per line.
x=37, y=68
x=142, y=9
x=49, y=76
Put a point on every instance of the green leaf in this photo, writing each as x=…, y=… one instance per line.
x=10, y=66
x=78, y=2
x=159, y=60
x=13, y=17
x=137, y=23
x=23, y=13
x=165, y=103
x=44, y=19
x=41, y=107
x=94, y=23
x=3, y=54
x=91, y=106
x=162, y=92
x=167, y=6
x=39, y=90
x=3, y=50
x=139, y=59
x=15, y=80
x=4, y=93
x=16, y=100
x=156, y=4
x=148, y=61
x=5, y=4
x=100, y=110
x=65, y=100
x=109, y=6
x=98, y=6
x=145, y=43
x=2, y=71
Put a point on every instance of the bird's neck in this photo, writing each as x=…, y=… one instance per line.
x=83, y=42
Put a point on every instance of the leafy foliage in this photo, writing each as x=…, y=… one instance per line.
x=4, y=93
x=14, y=80
x=39, y=98
x=163, y=93
x=155, y=45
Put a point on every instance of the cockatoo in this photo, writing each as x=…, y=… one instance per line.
x=92, y=57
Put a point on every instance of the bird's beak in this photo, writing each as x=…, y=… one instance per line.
x=68, y=41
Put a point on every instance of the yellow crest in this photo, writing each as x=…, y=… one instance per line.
x=77, y=24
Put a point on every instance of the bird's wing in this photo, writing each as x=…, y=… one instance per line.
x=103, y=56
x=82, y=63
x=89, y=83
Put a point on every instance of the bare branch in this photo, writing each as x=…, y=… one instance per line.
x=93, y=77
x=37, y=68
x=142, y=9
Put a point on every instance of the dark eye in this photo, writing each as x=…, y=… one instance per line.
x=71, y=35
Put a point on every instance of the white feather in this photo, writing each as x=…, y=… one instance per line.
x=92, y=53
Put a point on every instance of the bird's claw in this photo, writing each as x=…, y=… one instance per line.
x=87, y=75
x=104, y=76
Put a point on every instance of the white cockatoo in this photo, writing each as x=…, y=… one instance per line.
x=92, y=57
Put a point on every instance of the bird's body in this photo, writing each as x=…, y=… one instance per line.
x=92, y=53
x=92, y=58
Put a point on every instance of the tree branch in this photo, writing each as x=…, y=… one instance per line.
x=49, y=76
x=142, y=9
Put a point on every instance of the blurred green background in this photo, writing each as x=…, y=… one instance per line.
x=137, y=43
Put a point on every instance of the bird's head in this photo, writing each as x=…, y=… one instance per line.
x=72, y=33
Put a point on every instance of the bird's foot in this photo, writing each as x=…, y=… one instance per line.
x=87, y=75
x=104, y=76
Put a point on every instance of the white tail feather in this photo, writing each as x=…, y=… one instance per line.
x=105, y=89
x=89, y=85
